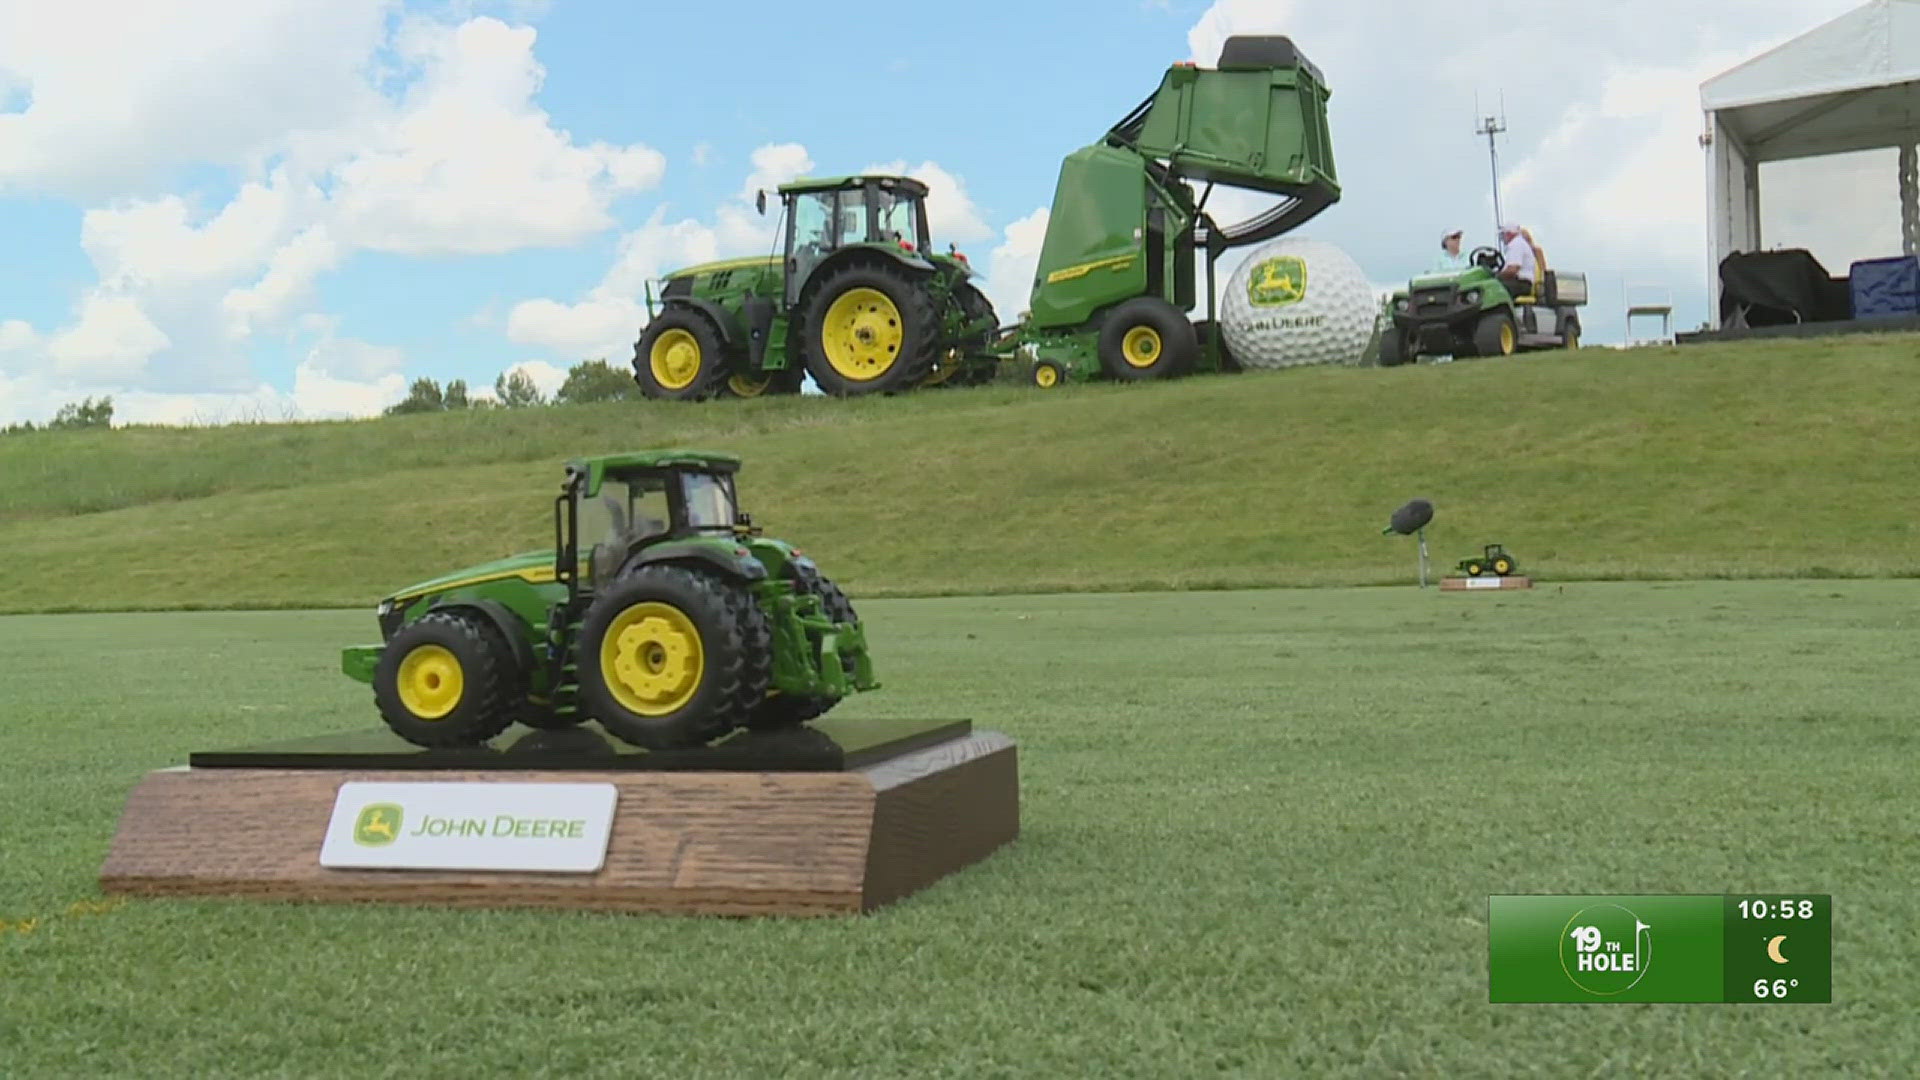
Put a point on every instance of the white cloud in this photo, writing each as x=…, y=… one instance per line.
x=461, y=160
x=952, y=216
x=469, y=165
x=17, y=335
x=121, y=93
x=702, y=154
x=1009, y=274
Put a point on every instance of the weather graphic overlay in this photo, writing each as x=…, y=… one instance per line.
x=1730, y=949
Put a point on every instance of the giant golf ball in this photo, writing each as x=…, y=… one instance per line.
x=1295, y=302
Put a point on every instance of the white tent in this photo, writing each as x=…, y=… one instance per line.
x=1851, y=84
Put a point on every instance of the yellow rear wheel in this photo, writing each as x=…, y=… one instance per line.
x=652, y=658
x=862, y=334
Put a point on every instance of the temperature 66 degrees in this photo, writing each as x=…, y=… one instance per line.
x=1785, y=909
x=1777, y=988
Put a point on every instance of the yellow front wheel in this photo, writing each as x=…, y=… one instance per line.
x=447, y=679
x=1048, y=374
x=678, y=357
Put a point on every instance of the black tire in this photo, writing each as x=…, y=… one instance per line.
x=728, y=628
x=780, y=710
x=660, y=366
x=1570, y=336
x=1393, y=348
x=1494, y=335
x=419, y=662
x=1473, y=568
x=1146, y=338
x=1047, y=374
x=892, y=347
x=1502, y=565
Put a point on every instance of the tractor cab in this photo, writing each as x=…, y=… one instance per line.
x=620, y=504
x=831, y=215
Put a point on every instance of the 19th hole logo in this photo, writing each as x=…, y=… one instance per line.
x=1278, y=281
x=1605, y=949
x=378, y=825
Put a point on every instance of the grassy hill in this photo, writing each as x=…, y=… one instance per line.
x=1787, y=459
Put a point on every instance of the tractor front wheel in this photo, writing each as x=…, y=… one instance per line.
x=869, y=328
x=672, y=658
x=781, y=710
x=678, y=357
x=1393, y=347
x=1473, y=568
x=1147, y=338
x=445, y=680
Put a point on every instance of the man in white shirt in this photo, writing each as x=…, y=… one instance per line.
x=1516, y=247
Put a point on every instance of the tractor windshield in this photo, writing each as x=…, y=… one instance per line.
x=709, y=499
x=623, y=511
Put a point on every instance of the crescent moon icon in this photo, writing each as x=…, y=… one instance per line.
x=1773, y=950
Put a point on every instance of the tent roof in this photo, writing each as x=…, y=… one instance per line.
x=1850, y=84
x=1876, y=44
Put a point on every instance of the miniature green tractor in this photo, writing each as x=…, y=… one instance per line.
x=1471, y=312
x=1493, y=558
x=661, y=612
x=858, y=300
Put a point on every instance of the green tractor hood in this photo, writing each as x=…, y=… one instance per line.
x=531, y=566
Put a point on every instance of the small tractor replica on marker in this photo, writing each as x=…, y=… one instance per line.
x=661, y=612
x=859, y=301
x=1493, y=558
x=1471, y=313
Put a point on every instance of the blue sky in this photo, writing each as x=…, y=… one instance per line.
x=277, y=208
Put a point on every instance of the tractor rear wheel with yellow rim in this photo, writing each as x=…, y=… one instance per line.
x=446, y=679
x=671, y=657
x=869, y=327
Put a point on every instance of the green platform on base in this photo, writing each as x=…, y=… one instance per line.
x=829, y=744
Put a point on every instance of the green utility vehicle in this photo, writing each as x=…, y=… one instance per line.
x=1115, y=281
x=1472, y=313
x=661, y=612
x=1492, y=558
x=858, y=300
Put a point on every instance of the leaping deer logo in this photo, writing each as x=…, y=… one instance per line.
x=377, y=825
x=1278, y=281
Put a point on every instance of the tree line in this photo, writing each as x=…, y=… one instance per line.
x=589, y=381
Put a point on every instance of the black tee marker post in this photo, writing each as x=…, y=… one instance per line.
x=1411, y=520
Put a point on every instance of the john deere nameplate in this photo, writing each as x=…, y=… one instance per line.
x=470, y=826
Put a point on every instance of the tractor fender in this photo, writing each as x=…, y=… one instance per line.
x=741, y=567
x=723, y=321
x=510, y=626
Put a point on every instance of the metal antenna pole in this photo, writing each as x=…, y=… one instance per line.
x=1423, y=558
x=1491, y=127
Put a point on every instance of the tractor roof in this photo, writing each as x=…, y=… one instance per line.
x=596, y=468
x=841, y=183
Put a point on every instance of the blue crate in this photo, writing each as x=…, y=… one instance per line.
x=1886, y=287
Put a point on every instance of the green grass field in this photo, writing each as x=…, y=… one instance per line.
x=1773, y=460
x=1260, y=829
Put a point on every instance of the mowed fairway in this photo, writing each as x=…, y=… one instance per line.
x=1260, y=829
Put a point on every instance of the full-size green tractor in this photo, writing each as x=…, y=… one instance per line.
x=1116, y=279
x=857, y=299
x=1471, y=312
x=661, y=612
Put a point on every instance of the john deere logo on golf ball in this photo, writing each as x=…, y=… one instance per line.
x=1278, y=281
x=1605, y=949
x=378, y=825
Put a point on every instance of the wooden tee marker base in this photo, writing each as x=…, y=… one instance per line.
x=737, y=829
x=1484, y=584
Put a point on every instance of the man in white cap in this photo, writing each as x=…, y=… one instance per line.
x=1516, y=247
x=1450, y=258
